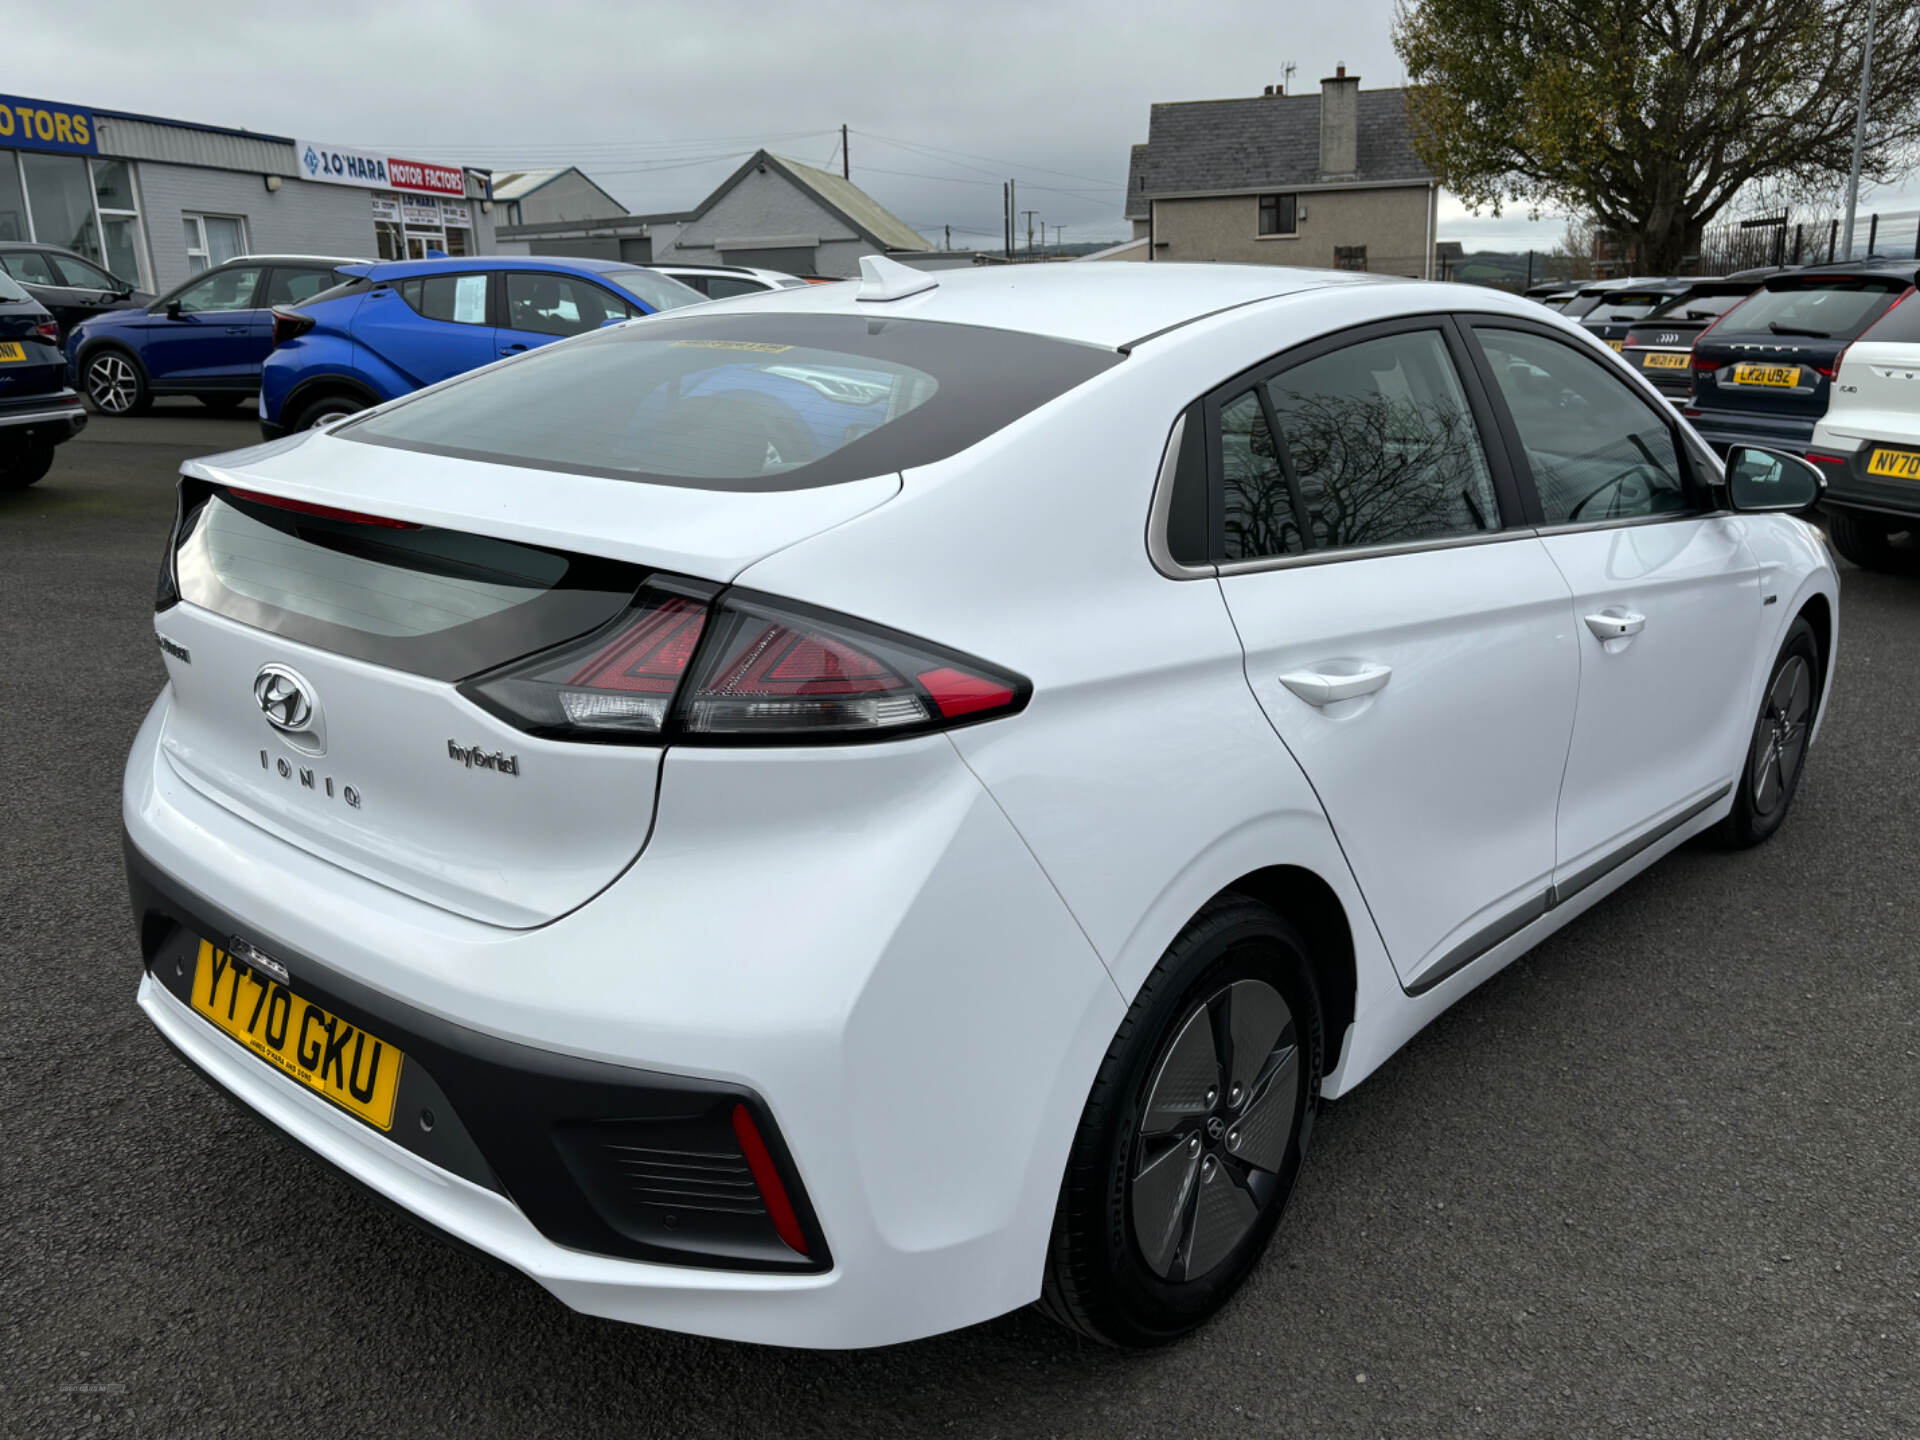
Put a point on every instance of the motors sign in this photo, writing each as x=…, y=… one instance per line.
x=42, y=125
x=337, y=165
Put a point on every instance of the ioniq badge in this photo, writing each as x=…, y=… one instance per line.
x=285, y=698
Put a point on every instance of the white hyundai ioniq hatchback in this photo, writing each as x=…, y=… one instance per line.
x=823, y=818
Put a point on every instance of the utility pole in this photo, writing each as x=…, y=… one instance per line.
x=846, y=166
x=1860, y=121
x=1006, y=216
x=949, y=230
x=1029, y=214
x=1013, y=212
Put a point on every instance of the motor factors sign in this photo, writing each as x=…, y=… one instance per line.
x=42, y=125
x=339, y=165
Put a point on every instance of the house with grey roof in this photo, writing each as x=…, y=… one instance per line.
x=1328, y=180
x=538, y=197
x=772, y=211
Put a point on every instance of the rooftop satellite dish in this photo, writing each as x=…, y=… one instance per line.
x=884, y=279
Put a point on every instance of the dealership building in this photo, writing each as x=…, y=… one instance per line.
x=156, y=201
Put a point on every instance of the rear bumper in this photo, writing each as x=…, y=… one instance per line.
x=1850, y=487
x=55, y=418
x=921, y=1057
x=1724, y=428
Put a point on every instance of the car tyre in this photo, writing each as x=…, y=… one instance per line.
x=1866, y=540
x=220, y=399
x=23, y=464
x=324, y=408
x=1193, y=1134
x=114, y=382
x=1777, y=753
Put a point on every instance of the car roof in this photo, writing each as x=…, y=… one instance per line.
x=671, y=266
x=1107, y=305
x=467, y=264
x=1906, y=270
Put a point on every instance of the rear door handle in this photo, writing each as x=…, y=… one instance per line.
x=1616, y=623
x=236, y=329
x=1318, y=687
x=513, y=349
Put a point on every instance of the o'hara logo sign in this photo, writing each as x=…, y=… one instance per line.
x=338, y=165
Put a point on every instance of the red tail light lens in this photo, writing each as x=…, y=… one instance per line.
x=1819, y=459
x=771, y=670
x=289, y=323
x=1704, y=365
x=684, y=668
x=324, y=512
x=49, y=331
x=1828, y=372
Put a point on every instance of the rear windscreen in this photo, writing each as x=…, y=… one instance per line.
x=742, y=402
x=441, y=603
x=1628, y=304
x=1580, y=305
x=1836, y=308
x=1697, y=307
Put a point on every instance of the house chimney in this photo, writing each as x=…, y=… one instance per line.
x=1268, y=90
x=1339, y=125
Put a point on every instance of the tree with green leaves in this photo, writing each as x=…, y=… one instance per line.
x=1652, y=115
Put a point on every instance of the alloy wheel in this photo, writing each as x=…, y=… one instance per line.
x=1215, y=1129
x=112, y=383
x=1780, y=735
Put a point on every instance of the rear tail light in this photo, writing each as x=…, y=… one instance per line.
x=323, y=512
x=684, y=666
x=289, y=323
x=1829, y=371
x=1820, y=459
x=1704, y=365
x=49, y=331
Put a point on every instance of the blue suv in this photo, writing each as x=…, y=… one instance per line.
x=390, y=329
x=204, y=338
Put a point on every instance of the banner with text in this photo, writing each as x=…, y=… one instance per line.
x=339, y=165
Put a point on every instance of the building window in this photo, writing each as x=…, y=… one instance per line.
x=1277, y=214
x=213, y=240
x=119, y=212
x=1349, y=257
x=79, y=205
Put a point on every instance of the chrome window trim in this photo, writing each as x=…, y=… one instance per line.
x=1162, y=507
x=1366, y=552
x=1575, y=527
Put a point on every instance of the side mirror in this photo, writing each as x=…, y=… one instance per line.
x=173, y=309
x=1761, y=481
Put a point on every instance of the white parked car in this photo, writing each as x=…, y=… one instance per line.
x=1868, y=442
x=726, y=282
x=823, y=818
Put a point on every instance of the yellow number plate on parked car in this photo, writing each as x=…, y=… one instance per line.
x=1618, y=345
x=12, y=350
x=1900, y=464
x=1660, y=360
x=1783, y=375
x=321, y=1051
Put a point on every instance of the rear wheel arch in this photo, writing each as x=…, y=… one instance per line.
x=1818, y=612
x=1310, y=905
x=324, y=387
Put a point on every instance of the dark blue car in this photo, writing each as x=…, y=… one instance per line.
x=205, y=338
x=389, y=329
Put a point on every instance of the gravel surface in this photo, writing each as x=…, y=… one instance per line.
x=1656, y=1179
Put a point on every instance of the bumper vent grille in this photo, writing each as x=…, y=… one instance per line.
x=712, y=1181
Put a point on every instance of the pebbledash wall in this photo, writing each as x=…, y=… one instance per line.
x=157, y=201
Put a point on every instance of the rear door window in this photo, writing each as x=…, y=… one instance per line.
x=289, y=284
x=1377, y=445
x=28, y=265
x=756, y=401
x=456, y=299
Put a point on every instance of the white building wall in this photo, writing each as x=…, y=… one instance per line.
x=301, y=218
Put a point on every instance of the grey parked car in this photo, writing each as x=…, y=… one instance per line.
x=71, y=286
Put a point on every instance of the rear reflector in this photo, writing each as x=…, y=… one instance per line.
x=683, y=666
x=1819, y=459
x=766, y=1178
x=323, y=512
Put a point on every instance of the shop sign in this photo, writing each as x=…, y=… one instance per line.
x=339, y=165
x=455, y=212
x=418, y=210
x=386, y=207
x=38, y=125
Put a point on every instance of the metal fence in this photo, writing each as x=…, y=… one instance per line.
x=1786, y=239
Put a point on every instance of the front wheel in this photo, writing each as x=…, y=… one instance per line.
x=1778, y=750
x=1193, y=1134
x=114, y=383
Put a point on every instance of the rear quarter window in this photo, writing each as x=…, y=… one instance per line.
x=1900, y=325
x=742, y=402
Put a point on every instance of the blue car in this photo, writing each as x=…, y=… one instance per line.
x=390, y=329
x=204, y=338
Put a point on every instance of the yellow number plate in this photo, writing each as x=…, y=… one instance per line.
x=321, y=1051
x=1659, y=360
x=12, y=350
x=1900, y=464
x=1618, y=345
x=1782, y=375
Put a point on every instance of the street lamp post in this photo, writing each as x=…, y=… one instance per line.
x=1860, y=124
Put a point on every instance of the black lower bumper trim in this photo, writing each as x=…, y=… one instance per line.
x=600, y=1158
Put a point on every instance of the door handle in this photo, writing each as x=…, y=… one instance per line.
x=1318, y=687
x=236, y=329
x=1615, y=623
x=513, y=349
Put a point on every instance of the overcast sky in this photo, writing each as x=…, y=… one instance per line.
x=658, y=103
